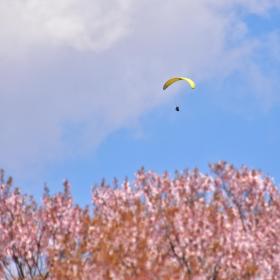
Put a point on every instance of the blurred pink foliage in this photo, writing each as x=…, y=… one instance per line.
x=194, y=226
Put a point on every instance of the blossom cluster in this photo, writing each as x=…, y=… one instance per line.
x=190, y=226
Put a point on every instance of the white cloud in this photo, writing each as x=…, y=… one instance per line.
x=258, y=7
x=264, y=80
x=81, y=24
x=96, y=66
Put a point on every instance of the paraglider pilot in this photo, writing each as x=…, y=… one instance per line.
x=175, y=79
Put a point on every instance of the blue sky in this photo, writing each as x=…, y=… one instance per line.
x=81, y=92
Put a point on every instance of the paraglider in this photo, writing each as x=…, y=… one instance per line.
x=175, y=79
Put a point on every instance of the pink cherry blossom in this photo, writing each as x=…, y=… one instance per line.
x=194, y=226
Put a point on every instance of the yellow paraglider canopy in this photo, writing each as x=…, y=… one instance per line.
x=175, y=79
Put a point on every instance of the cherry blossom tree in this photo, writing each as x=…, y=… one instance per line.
x=189, y=226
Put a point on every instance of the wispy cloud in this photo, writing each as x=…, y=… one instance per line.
x=75, y=71
x=79, y=24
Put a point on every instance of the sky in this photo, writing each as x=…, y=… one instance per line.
x=81, y=89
